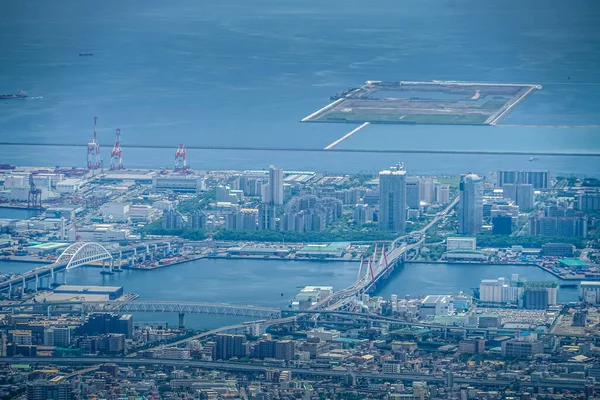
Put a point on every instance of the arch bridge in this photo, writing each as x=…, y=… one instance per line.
x=81, y=253
x=76, y=255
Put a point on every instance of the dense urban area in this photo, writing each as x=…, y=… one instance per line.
x=508, y=338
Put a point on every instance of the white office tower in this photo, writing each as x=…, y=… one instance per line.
x=427, y=192
x=392, y=199
x=274, y=193
x=521, y=194
x=441, y=193
x=470, y=206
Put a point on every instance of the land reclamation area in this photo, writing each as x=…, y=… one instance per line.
x=436, y=102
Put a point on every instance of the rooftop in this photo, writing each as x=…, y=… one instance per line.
x=573, y=262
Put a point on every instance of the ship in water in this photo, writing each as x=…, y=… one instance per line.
x=85, y=54
x=19, y=95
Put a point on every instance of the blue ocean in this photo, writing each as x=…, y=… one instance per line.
x=244, y=73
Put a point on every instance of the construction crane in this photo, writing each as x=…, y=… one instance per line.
x=34, y=199
x=116, y=156
x=181, y=164
x=93, y=152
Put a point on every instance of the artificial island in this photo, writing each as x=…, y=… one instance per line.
x=436, y=102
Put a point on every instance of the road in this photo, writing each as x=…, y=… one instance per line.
x=250, y=367
x=434, y=221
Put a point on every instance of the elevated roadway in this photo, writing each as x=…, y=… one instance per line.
x=240, y=367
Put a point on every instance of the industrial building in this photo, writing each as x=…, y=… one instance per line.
x=460, y=243
x=113, y=292
x=331, y=250
x=538, y=295
x=178, y=183
x=98, y=233
x=557, y=250
x=589, y=292
x=434, y=305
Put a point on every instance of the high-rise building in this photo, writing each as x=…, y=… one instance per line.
x=274, y=189
x=539, y=179
x=229, y=346
x=112, y=344
x=558, y=226
x=57, y=336
x=361, y=214
x=589, y=201
x=101, y=323
x=470, y=206
x=520, y=193
x=413, y=192
x=392, y=199
x=441, y=193
x=266, y=217
x=43, y=390
x=173, y=220
x=426, y=188
x=525, y=199
x=284, y=350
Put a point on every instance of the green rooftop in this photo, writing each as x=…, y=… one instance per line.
x=572, y=263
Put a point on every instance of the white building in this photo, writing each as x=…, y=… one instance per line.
x=47, y=180
x=57, y=336
x=116, y=212
x=174, y=353
x=69, y=185
x=178, y=183
x=141, y=213
x=273, y=191
x=14, y=180
x=458, y=243
x=589, y=292
x=323, y=334
x=427, y=190
x=433, y=305
x=227, y=195
x=165, y=205
x=490, y=290
x=99, y=233
x=441, y=193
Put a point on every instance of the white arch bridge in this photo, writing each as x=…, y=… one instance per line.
x=82, y=253
x=76, y=255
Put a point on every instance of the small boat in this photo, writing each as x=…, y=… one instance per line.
x=85, y=54
x=531, y=159
x=19, y=95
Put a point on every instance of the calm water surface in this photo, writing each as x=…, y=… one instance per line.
x=274, y=283
x=245, y=73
